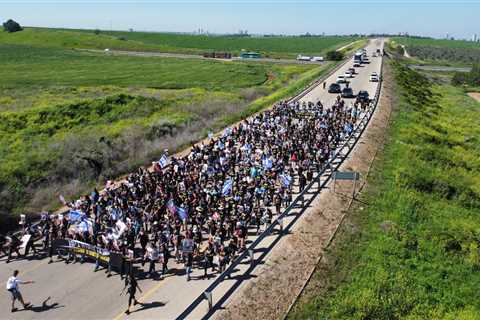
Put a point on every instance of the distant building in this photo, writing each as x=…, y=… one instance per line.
x=474, y=38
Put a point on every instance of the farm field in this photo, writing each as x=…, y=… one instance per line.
x=70, y=119
x=438, y=51
x=412, y=252
x=273, y=47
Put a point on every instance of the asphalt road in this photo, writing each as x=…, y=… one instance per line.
x=74, y=291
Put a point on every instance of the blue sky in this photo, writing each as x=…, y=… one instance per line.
x=425, y=17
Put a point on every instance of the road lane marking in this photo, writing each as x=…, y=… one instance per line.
x=146, y=295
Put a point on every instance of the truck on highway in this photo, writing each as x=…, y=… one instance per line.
x=303, y=58
x=358, y=59
x=308, y=58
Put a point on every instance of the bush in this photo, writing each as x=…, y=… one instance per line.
x=471, y=78
x=12, y=26
x=335, y=55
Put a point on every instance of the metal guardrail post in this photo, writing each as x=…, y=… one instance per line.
x=208, y=296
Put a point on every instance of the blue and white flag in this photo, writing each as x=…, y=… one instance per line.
x=84, y=226
x=267, y=163
x=171, y=206
x=115, y=214
x=227, y=187
x=210, y=135
x=260, y=190
x=75, y=215
x=163, y=161
x=285, y=180
x=227, y=132
x=182, y=213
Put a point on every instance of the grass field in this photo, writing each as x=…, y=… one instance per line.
x=436, y=51
x=276, y=47
x=30, y=66
x=270, y=46
x=70, y=119
x=414, y=250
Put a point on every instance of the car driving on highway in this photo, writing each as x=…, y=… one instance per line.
x=335, y=88
x=348, y=74
x=347, y=93
x=374, y=77
x=341, y=79
x=363, y=96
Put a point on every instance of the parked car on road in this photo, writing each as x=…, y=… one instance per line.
x=335, y=88
x=352, y=70
x=347, y=93
x=374, y=77
x=348, y=74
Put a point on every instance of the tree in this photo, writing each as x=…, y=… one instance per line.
x=12, y=26
x=96, y=31
x=335, y=55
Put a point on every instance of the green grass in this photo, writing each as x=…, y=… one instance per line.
x=271, y=46
x=277, y=47
x=415, y=254
x=30, y=66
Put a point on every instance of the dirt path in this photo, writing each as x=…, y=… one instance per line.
x=279, y=281
x=475, y=95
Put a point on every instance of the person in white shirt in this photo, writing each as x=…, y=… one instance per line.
x=12, y=286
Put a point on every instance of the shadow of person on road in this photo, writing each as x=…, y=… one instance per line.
x=44, y=306
x=149, y=305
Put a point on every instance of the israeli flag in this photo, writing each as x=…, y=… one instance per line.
x=227, y=132
x=285, y=180
x=171, y=206
x=163, y=161
x=115, y=214
x=267, y=163
x=227, y=187
x=84, y=226
x=182, y=213
x=76, y=215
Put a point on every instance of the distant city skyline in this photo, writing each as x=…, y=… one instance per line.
x=426, y=18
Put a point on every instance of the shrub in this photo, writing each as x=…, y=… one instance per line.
x=335, y=55
x=12, y=26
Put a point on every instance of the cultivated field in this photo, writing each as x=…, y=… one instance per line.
x=441, y=51
x=274, y=47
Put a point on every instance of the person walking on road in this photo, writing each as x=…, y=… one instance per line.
x=12, y=286
x=132, y=284
x=324, y=85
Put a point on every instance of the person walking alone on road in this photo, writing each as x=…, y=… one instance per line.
x=12, y=286
x=132, y=284
x=324, y=85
